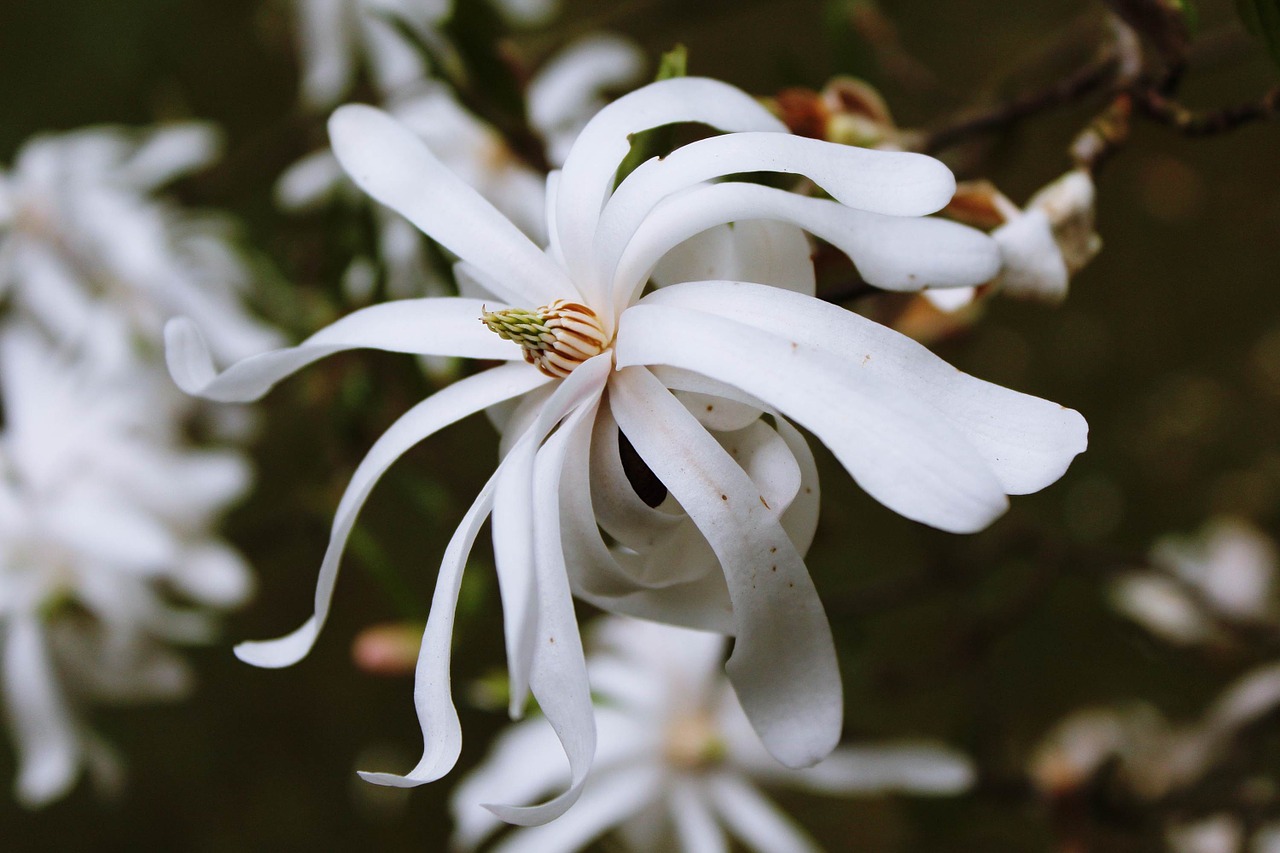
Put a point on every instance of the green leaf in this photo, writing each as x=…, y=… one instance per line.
x=657, y=141
x=1262, y=19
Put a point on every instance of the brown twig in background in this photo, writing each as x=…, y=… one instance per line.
x=1170, y=112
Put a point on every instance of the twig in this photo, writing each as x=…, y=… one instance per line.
x=1167, y=111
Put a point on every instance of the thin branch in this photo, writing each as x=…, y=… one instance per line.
x=1169, y=112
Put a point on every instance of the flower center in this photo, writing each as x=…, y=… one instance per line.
x=556, y=338
x=693, y=742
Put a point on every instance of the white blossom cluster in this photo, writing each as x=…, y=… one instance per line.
x=108, y=547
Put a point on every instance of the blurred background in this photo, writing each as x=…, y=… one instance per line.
x=1169, y=344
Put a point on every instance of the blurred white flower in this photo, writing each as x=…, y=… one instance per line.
x=683, y=389
x=337, y=37
x=563, y=96
x=678, y=761
x=106, y=551
x=86, y=248
x=1227, y=571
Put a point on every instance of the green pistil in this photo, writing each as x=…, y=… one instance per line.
x=527, y=328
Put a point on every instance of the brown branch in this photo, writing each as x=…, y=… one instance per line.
x=1167, y=111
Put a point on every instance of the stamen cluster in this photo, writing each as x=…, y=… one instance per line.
x=556, y=338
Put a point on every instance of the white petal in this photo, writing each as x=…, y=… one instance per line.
x=394, y=166
x=445, y=326
x=758, y=822
x=592, y=164
x=760, y=250
x=703, y=605
x=891, y=252
x=445, y=407
x=801, y=518
x=608, y=801
x=44, y=734
x=618, y=508
x=915, y=768
x=1033, y=263
x=513, y=562
x=432, y=691
x=695, y=824
x=170, y=152
x=889, y=182
x=893, y=443
x=1029, y=442
x=783, y=665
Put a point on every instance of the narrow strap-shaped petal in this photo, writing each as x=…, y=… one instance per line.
x=888, y=182
x=618, y=508
x=1027, y=441
x=913, y=768
x=393, y=165
x=783, y=665
x=761, y=250
x=558, y=672
x=432, y=689
x=442, y=326
x=891, y=442
x=592, y=164
x=694, y=822
x=445, y=407
x=513, y=562
x=45, y=737
x=891, y=252
x=761, y=825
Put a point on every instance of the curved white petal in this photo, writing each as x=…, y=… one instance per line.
x=751, y=817
x=760, y=250
x=783, y=665
x=618, y=508
x=801, y=517
x=893, y=443
x=694, y=822
x=45, y=737
x=703, y=604
x=441, y=326
x=1027, y=441
x=889, y=182
x=390, y=163
x=445, y=407
x=891, y=252
x=916, y=768
x=592, y=164
x=610, y=800
x=1033, y=262
x=432, y=690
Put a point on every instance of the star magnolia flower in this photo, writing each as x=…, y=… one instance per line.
x=84, y=247
x=104, y=527
x=923, y=438
x=677, y=759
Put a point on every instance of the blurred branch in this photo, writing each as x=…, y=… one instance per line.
x=1167, y=111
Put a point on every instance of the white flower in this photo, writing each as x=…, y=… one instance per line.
x=678, y=761
x=563, y=95
x=105, y=546
x=924, y=439
x=336, y=37
x=1226, y=571
x=84, y=247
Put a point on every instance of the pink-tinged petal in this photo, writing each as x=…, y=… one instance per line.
x=774, y=253
x=44, y=735
x=444, y=326
x=390, y=163
x=888, y=182
x=694, y=822
x=893, y=443
x=592, y=164
x=783, y=665
x=611, y=799
x=1028, y=442
x=891, y=252
x=750, y=816
x=445, y=407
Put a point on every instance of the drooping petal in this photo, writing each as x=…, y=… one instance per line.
x=890, y=252
x=751, y=817
x=694, y=822
x=618, y=508
x=893, y=443
x=432, y=690
x=45, y=738
x=610, y=800
x=888, y=182
x=592, y=164
x=442, y=326
x=783, y=665
x=394, y=166
x=1027, y=441
x=445, y=407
